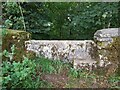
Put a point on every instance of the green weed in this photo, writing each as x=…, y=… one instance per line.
x=49, y=66
x=73, y=72
x=114, y=80
x=4, y=32
x=45, y=65
x=15, y=74
x=22, y=74
x=58, y=65
x=8, y=54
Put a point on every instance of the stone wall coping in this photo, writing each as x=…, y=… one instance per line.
x=106, y=33
x=61, y=40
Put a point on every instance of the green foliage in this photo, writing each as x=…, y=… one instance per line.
x=63, y=20
x=45, y=65
x=12, y=16
x=77, y=73
x=27, y=74
x=50, y=66
x=8, y=23
x=15, y=74
x=8, y=54
x=81, y=73
x=114, y=81
x=59, y=65
x=73, y=72
x=20, y=74
x=4, y=32
x=94, y=16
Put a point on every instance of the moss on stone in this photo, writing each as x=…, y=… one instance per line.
x=17, y=38
x=115, y=50
x=110, y=50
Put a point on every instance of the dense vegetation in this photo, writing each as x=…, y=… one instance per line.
x=45, y=73
x=45, y=20
x=65, y=20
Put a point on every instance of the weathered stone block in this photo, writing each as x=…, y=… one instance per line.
x=17, y=38
x=108, y=42
x=104, y=37
x=67, y=51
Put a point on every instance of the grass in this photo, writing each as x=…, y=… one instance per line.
x=50, y=66
x=75, y=78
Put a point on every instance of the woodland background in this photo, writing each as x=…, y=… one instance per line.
x=63, y=20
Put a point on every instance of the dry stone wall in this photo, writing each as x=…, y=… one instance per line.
x=82, y=53
x=67, y=51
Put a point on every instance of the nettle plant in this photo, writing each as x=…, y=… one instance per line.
x=17, y=74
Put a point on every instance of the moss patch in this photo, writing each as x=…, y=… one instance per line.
x=115, y=50
x=17, y=38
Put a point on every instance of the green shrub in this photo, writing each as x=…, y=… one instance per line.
x=23, y=74
x=61, y=20
x=16, y=74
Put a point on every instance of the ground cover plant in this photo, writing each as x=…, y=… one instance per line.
x=45, y=73
x=20, y=74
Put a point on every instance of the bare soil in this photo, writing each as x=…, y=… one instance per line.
x=56, y=80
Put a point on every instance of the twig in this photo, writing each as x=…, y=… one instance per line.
x=22, y=16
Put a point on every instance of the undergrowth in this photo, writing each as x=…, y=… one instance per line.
x=20, y=74
x=27, y=74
